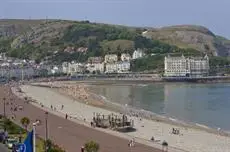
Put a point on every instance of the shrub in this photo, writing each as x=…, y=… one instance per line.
x=91, y=146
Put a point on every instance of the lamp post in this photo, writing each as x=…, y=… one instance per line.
x=22, y=73
x=4, y=110
x=164, y=146
x=34, y=135
x=46, y=131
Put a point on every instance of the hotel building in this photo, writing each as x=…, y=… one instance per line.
x=186, y=67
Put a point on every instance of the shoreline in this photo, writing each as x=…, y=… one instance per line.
x=68, y=134
x=161, y=121
x=115, y=107
x=117, y=80
x=80, y=121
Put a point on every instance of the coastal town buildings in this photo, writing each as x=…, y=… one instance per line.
x=138, y=54
x=95, y=65
x=123, y=67
x=16, y=68
x=70, y=49
x=65, y=67
x=125, y=57
x=118, y=67
x=56, y=70
x=186, y=67
x=82, y=49
x=92, y=60
x=17, y=72
x=74, y=68
x=2, y=56
x=111, y=58
x=111, y=68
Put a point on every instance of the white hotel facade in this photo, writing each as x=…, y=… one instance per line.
x=186, y=67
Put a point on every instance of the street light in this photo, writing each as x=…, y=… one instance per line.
x=164, y=146
x=34, y=135
x=46, y=131
x=4, y=110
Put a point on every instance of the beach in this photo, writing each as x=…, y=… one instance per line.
x=67, y=134
x=80, y=106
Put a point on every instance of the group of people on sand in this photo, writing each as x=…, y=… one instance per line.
x=62, y=107
x=131, y=143
x=175, y=131
x=55, y=109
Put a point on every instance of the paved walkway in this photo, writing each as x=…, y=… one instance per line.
x=3, y=148
x=65, y=133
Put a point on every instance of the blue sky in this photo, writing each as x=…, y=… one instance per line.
x=214, y=14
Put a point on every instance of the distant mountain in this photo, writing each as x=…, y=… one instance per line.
x=191, y=36
x=38, y=39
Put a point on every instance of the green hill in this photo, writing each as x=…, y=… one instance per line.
x=42, y=39
x=191, y=36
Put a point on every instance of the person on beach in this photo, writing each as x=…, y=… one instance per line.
x=62, y=107
x=218, y=129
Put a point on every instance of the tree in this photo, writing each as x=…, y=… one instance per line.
x=25, y=122
x=91, y=146
x=49, y=144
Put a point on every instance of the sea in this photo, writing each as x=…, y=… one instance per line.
x=205, y=104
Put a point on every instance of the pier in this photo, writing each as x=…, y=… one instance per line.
x=197, y=79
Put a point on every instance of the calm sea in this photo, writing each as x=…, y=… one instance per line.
x=207, y=104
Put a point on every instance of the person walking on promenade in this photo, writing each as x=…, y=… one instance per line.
x=82, y=149
x=66, y=116
x=133, y=142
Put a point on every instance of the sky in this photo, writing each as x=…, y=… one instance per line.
x=214, y=14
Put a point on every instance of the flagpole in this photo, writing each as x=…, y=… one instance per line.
x=22, y=77
x=34, y=137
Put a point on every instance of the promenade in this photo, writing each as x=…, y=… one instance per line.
x=65, y=133
x=3, y=148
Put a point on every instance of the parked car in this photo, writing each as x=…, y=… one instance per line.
x=16, y=148
x=10, y=142
x=20, y=107
x=2, y=137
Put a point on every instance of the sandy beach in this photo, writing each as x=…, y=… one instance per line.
x=78, y=104
x=65, y=133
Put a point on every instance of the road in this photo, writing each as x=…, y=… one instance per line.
x=65, y=133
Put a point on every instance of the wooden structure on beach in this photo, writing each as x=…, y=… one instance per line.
x=112, y=121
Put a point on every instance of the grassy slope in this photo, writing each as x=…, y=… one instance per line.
x=190, y=36
x=20, y=25
x=183, y=36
